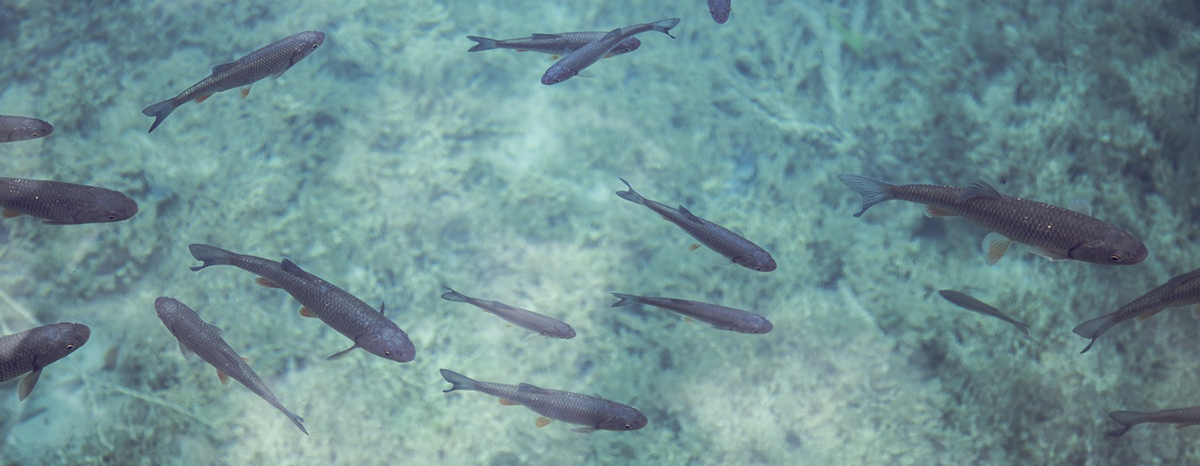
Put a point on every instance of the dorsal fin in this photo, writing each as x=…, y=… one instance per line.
x=1180, y=280
x=527, y=388
x=979, y=188
x=689, y=215
x=291, y=267
x=224, y=67
x=541, y=36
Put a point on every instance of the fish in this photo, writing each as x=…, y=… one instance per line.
x=34, y=349
x=60, y=203
x=570, y=65
x=1182, y=290
x=726, y=243
x=592, y=412
x=974, y=305
x=199, y=338
x=720, y=317
x=19, y=128
x=272, y=60
x=525, y=319
x=1181, y=417
x=1054, y=232
x=719, y=9
x=350, y=316
x=559, y=44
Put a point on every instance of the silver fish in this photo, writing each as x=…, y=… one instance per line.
x=19, y=128
x=350, y=316
x=1054, y=232
x=523, y=318
x=59, y=203
x=592, y=412
x=272, y=60
x=1181, y=417
x=560, y=44
x=720, y=317
x=719, y=9
x=572, y=64
x=726, y=243
x=969, y=303
x=200, y=338
x=32, y=350
x=1182, y=290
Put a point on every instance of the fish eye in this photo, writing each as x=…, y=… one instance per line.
x=628, y=426
x=314, y=46
x=1115, y=258
x=70, y=346
x=387, y=353
x=35, y=134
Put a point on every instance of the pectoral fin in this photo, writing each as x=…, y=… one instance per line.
x=27, y=384
x=544, y=421
x=9, y=213
x=342, y=352
x=994, y=247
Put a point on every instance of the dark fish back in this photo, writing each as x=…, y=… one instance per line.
x=65, y=203
x=720, y=317
x=591, y=411
x=523, y=318
x=272, y=59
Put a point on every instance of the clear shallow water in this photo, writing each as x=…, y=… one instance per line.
x=391, y=162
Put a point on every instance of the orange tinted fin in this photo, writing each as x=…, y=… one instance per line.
x=522, y=50
x=267, y=283
x=1196, y=311
x=9, y=213
x=224, y=378
x=202, y=98
x=245, y=91
x=693, y=247
x=554, y=57
x=994, y=247
x=544, y=421
x=1180, y=426
x=934, y=211
x=306, y=312
x=507, y=403
x=1148, y=315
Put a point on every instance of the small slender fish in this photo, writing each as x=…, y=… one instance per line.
x=559, y=44
x=1179, y=291
x=32, y=350
x=726, y=243
x=585, y=56
x=974, y=305
x=526, y=319
x=720, y=317
x=59, y=203
x=272, y=60
x=350, y=316
x=19, y=128
x=719, y=9
x=199, y=338
x=592, y=412
x=1181, y=417
x=1054, y=232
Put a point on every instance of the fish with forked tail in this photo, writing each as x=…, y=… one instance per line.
x=1179, y=291
x=559, y=44
x=720, y=317
x=1054, y=232
x=272, y=60
x=523, y=318
x=1181, y=417
x=572, y=64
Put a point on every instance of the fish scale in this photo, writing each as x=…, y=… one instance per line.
x=204, y=339
x=34, y=349
x=350, y=316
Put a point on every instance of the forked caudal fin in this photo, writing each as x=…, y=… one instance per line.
x=459, y=381
x=872, y=191
x=210, y=255
x=664, y=26
x=159, y=111
x=483, y=44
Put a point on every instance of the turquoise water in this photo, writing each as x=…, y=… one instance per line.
x=390, y=162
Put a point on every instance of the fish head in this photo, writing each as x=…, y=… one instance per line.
x=622, y=417
x=389, y=343
x=109, y=206
x=309, y=42
x=756, y=324
x=62, y=339
x=758, y=260
x=719, y=9
x=1116, y=247
x=30, y=129
x=558, y=74
x=626, y=46
x=562, y=330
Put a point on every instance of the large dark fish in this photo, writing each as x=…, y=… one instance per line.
x=1054, y=232
x=562, y=43
x=59, y=203
x=719, y=9
x=19, y=128
x=523, y=318
x=204, y=339
x=358, y=321
x=969, y=303
x=32, y=350
x=1179, y=291
x=592, y=412
x=1182, y=417
x=272, y=60
x=720, y=317
x=572, y=64
x=726, y=243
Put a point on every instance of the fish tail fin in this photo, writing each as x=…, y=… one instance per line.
x=459, y=381
x=1023, y=327
x=664, y=26
x=1094, y=328
x=159, y=111
x=631, y=195
x=297, y=420
x=210, y=255
x=451, y=295
x=624, y=300
x=483, y=44
x=872, y=191
x=1127, y=419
